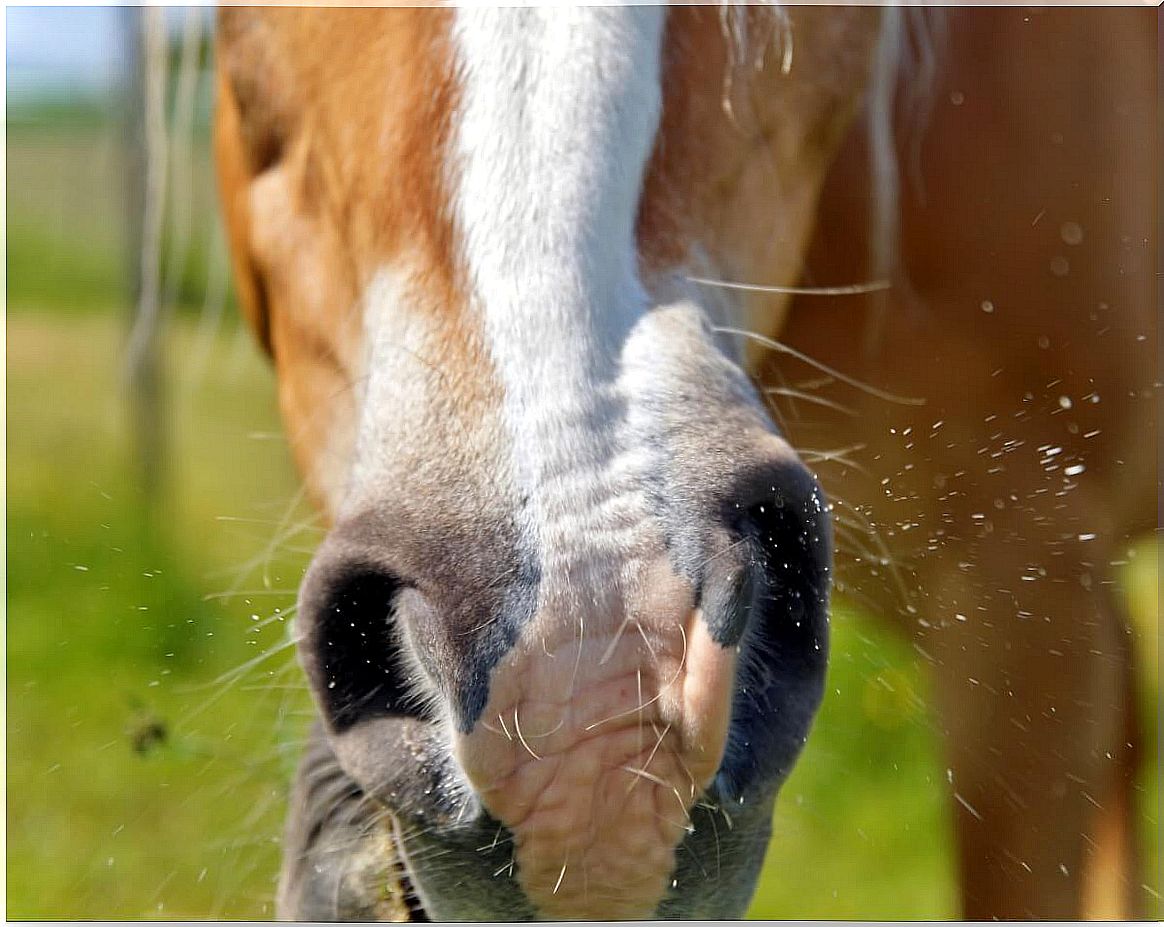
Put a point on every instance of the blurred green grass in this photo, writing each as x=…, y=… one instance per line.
x=69, y=177
x=145, y=776
x=148, y=762
x=154, y=708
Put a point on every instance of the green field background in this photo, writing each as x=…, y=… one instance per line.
x=154, y=708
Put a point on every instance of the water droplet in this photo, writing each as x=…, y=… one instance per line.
x=987, y=305
x=1065, y=402
x=1060, y=267
x=1071, y=233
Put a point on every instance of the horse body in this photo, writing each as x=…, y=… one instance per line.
x=568, y=631
x=1028, y=236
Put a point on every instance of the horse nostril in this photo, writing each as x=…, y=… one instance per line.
x=788, y=543
x=772, y=579
x=773, y=602
x=351, y=646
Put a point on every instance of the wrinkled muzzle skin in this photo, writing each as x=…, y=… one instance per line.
x=599, y=731
x=568, y=631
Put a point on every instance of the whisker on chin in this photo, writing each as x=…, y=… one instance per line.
x=517, y=727
x=647, y=764
x=629, y=711
x=614, y=642
x=659, y=781
x=647, y=642
x=561, y=876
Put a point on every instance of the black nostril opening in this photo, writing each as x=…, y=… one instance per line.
x=354, y=650
x=789, y=565
x=781, y=628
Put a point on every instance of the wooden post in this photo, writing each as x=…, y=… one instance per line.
x=146, y=204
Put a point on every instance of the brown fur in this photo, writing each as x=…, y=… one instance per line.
x=1042, y=118
x=743, y=150
x=330, y=167
x=311, y=216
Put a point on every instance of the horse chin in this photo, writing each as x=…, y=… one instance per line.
x=386, y=827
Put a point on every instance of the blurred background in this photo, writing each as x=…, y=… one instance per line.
x=156, y=536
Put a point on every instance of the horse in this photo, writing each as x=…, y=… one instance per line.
x=561, y=300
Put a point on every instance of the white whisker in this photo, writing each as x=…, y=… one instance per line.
x=840, y=455
x=629, y=711
x=852, y=289
x=517, y=727
x=614, y=643
x=809, y=397
x=654, y=750
x=647, y=641
x=659, y=781
x=824, y=368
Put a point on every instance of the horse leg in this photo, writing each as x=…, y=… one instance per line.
x=1111, y=884
x=1032, y=684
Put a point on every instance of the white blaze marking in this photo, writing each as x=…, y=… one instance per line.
x=558, y=116
x=394, y=389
